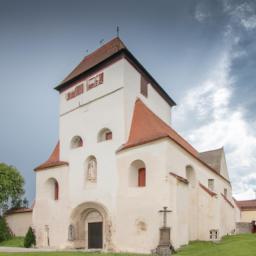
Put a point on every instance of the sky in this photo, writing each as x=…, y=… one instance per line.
x=202, y=52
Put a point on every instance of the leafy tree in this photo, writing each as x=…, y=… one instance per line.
x=5, y=232
x=30, y=238
x=11, y=187
x=17, y=203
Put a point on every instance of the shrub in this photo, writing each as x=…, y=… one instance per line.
x=30, y=238
x=5, y=232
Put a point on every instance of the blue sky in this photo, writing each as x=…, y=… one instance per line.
x=203, y=53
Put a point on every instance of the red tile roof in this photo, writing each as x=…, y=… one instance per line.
x=53, y=161
x=247, y=205
x=101, y=54
x=107, y=54
x=211, y=193
x=229, y=202
x=19, y=210
x=179, y=178
x=148, y=127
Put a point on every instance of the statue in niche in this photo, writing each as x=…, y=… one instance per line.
x=92, y=170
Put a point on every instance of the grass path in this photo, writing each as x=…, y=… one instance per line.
x=240, y=245
x=14, y=242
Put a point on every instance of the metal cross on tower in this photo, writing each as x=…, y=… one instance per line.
x=165, y=211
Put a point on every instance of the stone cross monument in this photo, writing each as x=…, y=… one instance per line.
x=164, y=246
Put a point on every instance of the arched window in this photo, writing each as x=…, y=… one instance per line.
x=52, y=189
x=105, y=134
x=76, y=142
x=190, y=175
x=56, y=190
x=137, y=174
x=142, y=177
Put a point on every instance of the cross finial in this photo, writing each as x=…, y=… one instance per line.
x=165, y=211
x=117, y=31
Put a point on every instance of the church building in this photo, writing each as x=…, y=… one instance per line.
x=120, y=172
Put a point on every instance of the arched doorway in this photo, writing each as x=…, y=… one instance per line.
x=94, y=230
x=92, y=227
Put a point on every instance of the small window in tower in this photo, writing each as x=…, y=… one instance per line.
x=76, y=142
x=105, y=134
x=211, y=184
x=144, y=86
x=108, y=136
x=142, y=177
x=56, y=191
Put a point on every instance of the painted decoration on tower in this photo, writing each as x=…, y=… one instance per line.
x=95, y=81
x=75, y=92
x=90, y=83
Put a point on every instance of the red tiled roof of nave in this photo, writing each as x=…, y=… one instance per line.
x=53, y=161
x=148, y=127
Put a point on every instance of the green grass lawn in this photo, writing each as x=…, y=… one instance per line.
x=14, y=242
x=240, y=245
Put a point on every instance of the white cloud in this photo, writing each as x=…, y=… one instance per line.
x=243, y=13
x=221, y=124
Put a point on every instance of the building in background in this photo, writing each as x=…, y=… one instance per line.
x=19, y=220
x=248, y=210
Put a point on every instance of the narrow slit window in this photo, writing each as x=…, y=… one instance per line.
x=211, y=184
x=144, y=86
x=56, y=191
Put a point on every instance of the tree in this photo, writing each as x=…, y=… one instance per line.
x=11, y=187
x=5, y=232
x=30, y=238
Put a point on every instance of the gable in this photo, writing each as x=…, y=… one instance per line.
x=216, y=159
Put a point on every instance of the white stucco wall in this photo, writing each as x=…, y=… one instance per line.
x=48, y=212
x=135, y=204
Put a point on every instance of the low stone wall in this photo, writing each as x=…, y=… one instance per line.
x=19, y=222
x=243, y=227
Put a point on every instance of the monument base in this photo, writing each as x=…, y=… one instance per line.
x=163, y=250
x=164, y=247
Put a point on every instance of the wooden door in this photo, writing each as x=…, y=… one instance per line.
x=95, y=235
x=142, y=177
